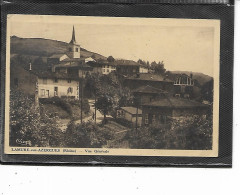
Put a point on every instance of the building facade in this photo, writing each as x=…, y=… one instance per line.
x=130, y=114
x=58, y=87
x=162, y=111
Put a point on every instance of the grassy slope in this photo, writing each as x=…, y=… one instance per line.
x=43, y=47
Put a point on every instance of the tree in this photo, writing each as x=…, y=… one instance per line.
x=186, y=133
x=104, y=105
x=87, y=135
x=28, y=123
x=158, y=67
x=110, y=59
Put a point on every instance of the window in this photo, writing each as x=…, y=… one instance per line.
x=107, y=66
x=153, y=118
x=44, y=80
x=76, y=50
x=55, y=80
x=103, y=70
x=70, y=49
x=70, y=90
x=107, y=70
x=69, y=80
x=55, y=91
x=146, y=119
x=42, y=92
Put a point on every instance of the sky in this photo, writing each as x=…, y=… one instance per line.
x=186, y=45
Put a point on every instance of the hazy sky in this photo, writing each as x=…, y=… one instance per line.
x=181, y=44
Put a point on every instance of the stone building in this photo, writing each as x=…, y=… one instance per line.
x=45, y=84
x=153, y=80
x=171, y=107
x=145, y=94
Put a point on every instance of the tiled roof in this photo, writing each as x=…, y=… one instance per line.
x=149, y=77
x=149, y=89
x=58, y=75
x=173, y=102
x=57, y=55
x=131, y=110
x=121, y=62
x=74, y=60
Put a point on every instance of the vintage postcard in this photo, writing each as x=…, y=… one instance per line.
x=80, y=85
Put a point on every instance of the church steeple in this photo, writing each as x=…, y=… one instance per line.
x=73, y=47
x=73, y=41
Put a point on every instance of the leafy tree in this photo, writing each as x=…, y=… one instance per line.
x=110, y=59
x=31, y=123
x=190, y=133
x=158, y=67
x=207, y=91
x=104, y=105
x=86, y=135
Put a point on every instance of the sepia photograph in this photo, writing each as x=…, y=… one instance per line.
x=81, y=85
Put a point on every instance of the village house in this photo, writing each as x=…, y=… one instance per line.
x=106, y=66
x=44, y=84
x=183, y=86
x=148, y=93
x=130, y=67
x=153, y=80
x=71, y=62
x=162, y=110
x=130, y=115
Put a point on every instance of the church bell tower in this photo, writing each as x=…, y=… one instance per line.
x=73, y=47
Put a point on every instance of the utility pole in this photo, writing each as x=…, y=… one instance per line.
x=137, y=104
x=137, y=118
x=95, y=109
x=81, y=100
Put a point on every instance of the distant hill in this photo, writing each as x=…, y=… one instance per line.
x=200, y=77
x=44, y=47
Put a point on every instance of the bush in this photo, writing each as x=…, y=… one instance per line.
x=189, y=133
x=58, y=102
x=28, y=124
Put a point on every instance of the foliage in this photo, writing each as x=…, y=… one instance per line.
x=110, y=59
x=158, y=67
x=87, y=135
x=104, y=105
x=109, y=86
x=58, y=102
x=207, y=91
x=190, y=133
x=28, y=124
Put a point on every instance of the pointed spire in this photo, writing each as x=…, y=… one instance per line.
x=73, y=36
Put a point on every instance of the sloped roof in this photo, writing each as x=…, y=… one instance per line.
x=73, y=60
x=49, y=74
x=173, y=102
x=131, y=110
x=149, y=77
x=59, y=55
x=149, y=89
x=121, y=62
x=76, y=65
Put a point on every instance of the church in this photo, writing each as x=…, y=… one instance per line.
x=71, y=62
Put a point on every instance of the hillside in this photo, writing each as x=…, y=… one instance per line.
x=43, y=47
x=200, y=77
